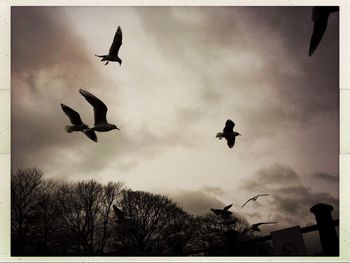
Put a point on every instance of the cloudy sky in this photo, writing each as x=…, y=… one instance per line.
x=185, y=71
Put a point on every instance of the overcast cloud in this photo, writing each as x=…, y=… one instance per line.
x=185, y=71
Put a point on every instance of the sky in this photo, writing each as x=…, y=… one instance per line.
x=185, y=71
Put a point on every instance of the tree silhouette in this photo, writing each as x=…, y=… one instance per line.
x=86, y=213
x=152, y=217
x=89, y=218
x=45, y=217
x=25, y=190
x=111, y=195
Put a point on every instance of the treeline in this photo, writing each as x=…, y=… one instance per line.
x=50, y=218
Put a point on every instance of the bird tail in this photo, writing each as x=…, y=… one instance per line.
x=104, y=57
x=220, y=135
x=90, y=133
x=69, y=129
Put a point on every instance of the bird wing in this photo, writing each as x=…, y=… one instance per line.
x=229, y=125
x=261, y=195
x=263, y=223
x=100, y=109
x=246, y=202
x=227, y=207
x=117, y=42
x=216, y=211
x=73, y=116
x=269, y=223
x=90, y=133
x=231, y=141
x=320, y=19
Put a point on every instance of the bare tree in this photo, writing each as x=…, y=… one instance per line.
x=111, y=194
x=151, y=217
x=86, y=211
x=46, y=214
x=25, y=185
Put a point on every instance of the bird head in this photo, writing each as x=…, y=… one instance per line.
x=237, y=134
x=119, y=61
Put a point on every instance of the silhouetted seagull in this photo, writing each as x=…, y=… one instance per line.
x=230, y=220
x=114, y=49
x=120, y=214
x=320, y=18
x=223, y=213
x=100, y=112
x=78, y=125
x=255, y=227
x=228, y=133
x=254, y=199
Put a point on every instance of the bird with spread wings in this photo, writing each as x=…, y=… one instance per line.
x=228, y=133
x=114, y=49
x=254, y=198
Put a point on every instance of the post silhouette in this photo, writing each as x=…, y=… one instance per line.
x=326, y=229
x=231, y=242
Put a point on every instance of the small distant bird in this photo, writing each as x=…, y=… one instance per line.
x=78, y=125
x=120, y=214
x=320, y=16
x=228, y=133
x=255, y=227
x=254, y=199
x=114, y=49
x=100, y=113
x=223, y=213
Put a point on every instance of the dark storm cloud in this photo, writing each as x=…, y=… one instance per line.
x=326, y=177
x=42, y=40
x=300, y=88
x=271, y=177
x=47, y=59
x=254, y=215
x=290, y=199
x=197, y=202
x=49, y=65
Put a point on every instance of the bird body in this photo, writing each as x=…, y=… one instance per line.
x=100, y=113
x=78, y=125
x=228, y=133
x=114, y=49
x=223, y=213
x=104, y=127
x=320, y=16
x=228, y=220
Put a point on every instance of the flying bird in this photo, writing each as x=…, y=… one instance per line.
x=223, y=213
x=78, y=125
x=100, y=113
x=254, y=199
x=230, y=220
x=120, y=214
x=255, y=227
x=114, y=49
x=320, y=16
x=228, y=133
